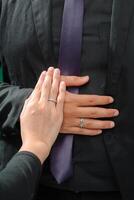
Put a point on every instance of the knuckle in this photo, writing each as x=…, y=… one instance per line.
x=93, y=113
x=33, y=112
x=95, y=98
x=42, y=107
x=91, y=100
x=31, y=104
x=60, y=99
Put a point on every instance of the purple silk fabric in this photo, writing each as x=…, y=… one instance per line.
x=69, y=63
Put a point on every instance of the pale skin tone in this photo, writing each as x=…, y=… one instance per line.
x=41, y=119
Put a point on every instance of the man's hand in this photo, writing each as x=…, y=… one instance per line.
x=75, y=80
x=88, y=107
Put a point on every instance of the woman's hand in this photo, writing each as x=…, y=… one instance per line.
x=41, y=117
x=88, y=107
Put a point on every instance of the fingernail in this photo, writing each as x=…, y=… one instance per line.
x=86, y=77
x=57, y=71
x=111, y=100
x=112, y=124
x=44, y=72
x=42, y=75
x=116, y=113
x=51, y=68
x=100, y=131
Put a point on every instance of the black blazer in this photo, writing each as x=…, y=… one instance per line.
x=25, y=48
x=20, y=177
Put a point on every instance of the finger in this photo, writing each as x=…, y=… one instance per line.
x=46, y=86
x=40, y=80
x=92, y=100
x=82, y=131
x=75, y=80
x=51, y=71
x=95, y=124
x=37, y=90
x=55, y=84
x=61, y=96
x=96, y=112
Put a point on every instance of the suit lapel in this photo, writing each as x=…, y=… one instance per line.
x=122, y=13
x=42, y=21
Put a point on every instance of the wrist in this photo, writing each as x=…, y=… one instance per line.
x=39, y=149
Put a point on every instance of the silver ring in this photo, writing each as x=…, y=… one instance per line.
x=52, y=100
x=82, y=123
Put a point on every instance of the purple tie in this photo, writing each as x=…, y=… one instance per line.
x=69, y=63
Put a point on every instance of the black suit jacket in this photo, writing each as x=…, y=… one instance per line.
x=20, y=177
x=27, y=24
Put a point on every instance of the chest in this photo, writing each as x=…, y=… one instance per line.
x=29, y=28
x=97, y=18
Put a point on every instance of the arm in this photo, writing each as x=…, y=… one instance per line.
x=89, y=107
x=12, y=99
x=20, y=177
x=40, y=124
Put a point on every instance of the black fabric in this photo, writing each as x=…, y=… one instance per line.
x=18, y=180
x=49, y=193
x=92, y=170
x=26, y=46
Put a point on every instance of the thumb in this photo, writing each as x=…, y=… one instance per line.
x=75, y=80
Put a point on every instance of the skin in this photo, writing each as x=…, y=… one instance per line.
x=89, y=107
x=41, y=119
x=39, y=131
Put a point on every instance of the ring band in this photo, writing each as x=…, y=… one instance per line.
x=52, y=100
x=81, y=123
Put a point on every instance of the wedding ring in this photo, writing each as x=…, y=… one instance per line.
x=81, y=123
x=52, y=100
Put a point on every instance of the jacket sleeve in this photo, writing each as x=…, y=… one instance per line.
x=11, y=102
x=20, y=177
x=12, y=99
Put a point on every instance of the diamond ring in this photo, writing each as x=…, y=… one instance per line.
x=81, y=123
